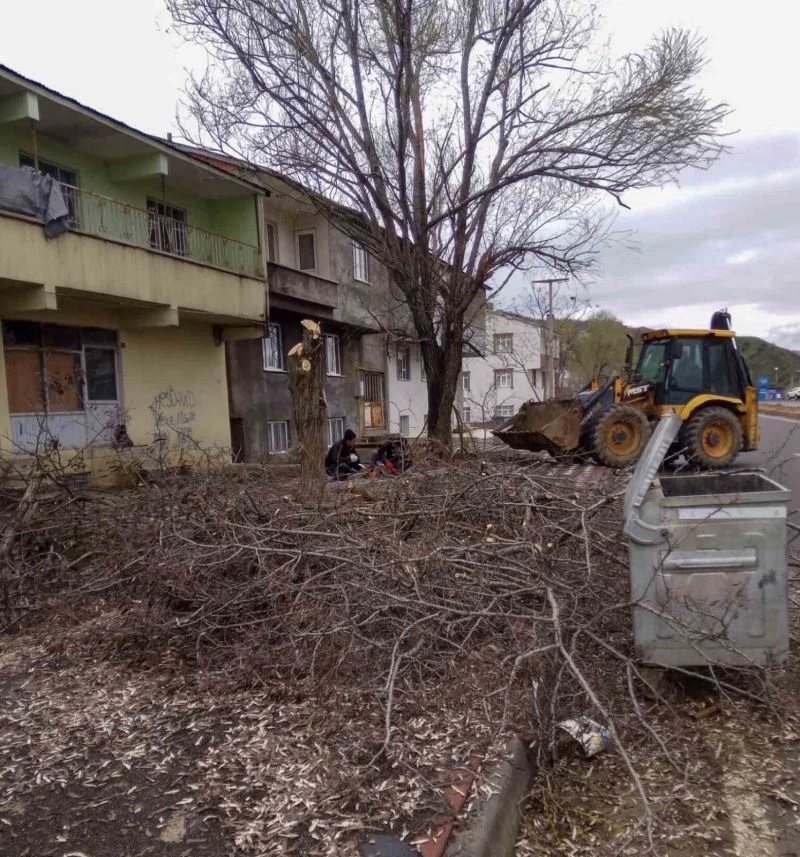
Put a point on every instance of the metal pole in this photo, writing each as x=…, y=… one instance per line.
x=551, y=335
x=550, y=374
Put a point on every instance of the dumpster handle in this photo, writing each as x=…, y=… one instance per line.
x=711, y=559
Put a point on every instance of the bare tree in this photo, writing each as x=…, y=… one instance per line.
x=457, y=141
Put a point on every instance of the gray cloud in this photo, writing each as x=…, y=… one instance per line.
x=787, y=335
x=730, y=236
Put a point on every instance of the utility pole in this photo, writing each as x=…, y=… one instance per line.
x=550, y=386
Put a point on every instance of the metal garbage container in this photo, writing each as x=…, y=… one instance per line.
x=708, y=563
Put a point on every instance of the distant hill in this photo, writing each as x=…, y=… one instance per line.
x=763, y=357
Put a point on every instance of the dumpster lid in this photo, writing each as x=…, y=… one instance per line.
x=650, y=461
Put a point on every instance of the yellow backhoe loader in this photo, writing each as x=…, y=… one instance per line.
x=698, y=374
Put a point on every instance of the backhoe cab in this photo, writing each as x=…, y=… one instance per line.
x=698, y=374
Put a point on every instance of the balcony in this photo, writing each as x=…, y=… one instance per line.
x=103, y=217
x=140, y=267
x=300, y=288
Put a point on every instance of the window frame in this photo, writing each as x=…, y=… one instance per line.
x=271, y=427
x=407, y=432
x=271, y=240
x=466, y=381
x=336, y=340
x=403, y=362
x=166, y=232
x=497, y=338
x=70, y=196
x=500, y=373
x=279, y=350
x=81, y=382
x=361, y=253
x=466, y=414
x=333, y=433
x=504, y=411
x=297, y=235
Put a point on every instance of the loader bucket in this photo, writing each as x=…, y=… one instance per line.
x=554, y=427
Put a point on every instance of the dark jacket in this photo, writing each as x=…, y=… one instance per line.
x=339, y=457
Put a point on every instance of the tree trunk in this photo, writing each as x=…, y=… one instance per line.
x=307, y=388
x=443, y=369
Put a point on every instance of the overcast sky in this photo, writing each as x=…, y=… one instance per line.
x=728, y=236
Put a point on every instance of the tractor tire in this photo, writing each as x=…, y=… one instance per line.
x=619, y=435
x=713, y=438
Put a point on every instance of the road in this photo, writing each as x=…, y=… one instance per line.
x=779, y=452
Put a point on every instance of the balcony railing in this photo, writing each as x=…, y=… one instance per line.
x=104, y=217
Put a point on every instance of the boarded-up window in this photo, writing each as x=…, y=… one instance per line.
x=24, y=382
x=48, y=364
x=63, y=375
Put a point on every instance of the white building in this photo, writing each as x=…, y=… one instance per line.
x=508, y=369
x=407, y=392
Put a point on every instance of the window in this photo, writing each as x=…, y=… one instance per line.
x=403, y=363
x=277, y=437
x=54, y=368
x=652, y=367
x=536, y=377
x=167, y=227
x=503, y=343
x=374, y=411
x=307, y=251
x=360, y=263
x=334, y=430
x=465, y=381
x=68, y=179
x=272, y=242
x=504, y=379
x=466, y=415
x=333, y=354
x=721, y=370
x=422, y=373
x=405, y=425
x=504, y=411
x=101, y=374
x=273, y=349
x=685, y=375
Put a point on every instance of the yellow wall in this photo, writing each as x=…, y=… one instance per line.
x=174, y=384
x=93, y=265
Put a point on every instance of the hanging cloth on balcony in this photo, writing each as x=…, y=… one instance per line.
x=28, y=192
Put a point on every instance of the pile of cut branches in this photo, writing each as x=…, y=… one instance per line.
x=458, y=579
x=406, y=620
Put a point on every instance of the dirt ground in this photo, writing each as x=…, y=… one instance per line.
x=107, y=760
x=724, y=782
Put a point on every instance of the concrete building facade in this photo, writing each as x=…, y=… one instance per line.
x=374, y=385
x=505, y=368
x=122, y=320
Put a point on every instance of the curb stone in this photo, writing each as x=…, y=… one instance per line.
x=493, y=832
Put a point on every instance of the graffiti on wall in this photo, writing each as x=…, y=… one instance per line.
x=175, y=415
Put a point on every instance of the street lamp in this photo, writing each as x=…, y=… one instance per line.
x=776, y=376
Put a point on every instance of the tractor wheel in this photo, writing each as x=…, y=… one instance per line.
x=619, y=436
x=713, y=438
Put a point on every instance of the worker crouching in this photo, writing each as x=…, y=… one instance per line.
x=342, y=459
